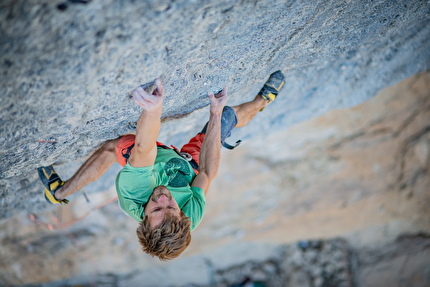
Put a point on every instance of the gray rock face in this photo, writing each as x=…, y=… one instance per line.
x=315, y=263
x=67, y=68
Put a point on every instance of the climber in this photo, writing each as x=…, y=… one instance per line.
x=164, y=189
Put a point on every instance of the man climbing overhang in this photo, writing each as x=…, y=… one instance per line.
x=164, y=189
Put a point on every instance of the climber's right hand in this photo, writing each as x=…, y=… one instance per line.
x=218, y=101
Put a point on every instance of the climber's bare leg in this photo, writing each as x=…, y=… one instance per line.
x=91, y=170
x=246, y=111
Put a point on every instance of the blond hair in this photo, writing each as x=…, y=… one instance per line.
x=169, y=239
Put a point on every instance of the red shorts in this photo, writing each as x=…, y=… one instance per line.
x=192, y=147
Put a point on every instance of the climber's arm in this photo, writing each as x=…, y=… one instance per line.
x=148, y=125
x=210, y=152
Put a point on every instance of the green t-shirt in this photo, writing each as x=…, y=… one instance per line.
x=134, y=186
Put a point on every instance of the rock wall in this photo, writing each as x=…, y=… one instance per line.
x=316, y=263
x=67, y=66
x=360, y=174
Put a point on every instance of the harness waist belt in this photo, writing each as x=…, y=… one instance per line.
x=184, y=155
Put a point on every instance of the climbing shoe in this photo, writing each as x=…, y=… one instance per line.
x=52, y=183
x=271, y=88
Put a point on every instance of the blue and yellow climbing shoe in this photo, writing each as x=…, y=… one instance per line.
x=271, y=88
x=52, y=183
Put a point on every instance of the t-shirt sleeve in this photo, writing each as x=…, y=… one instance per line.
x=133, y=188
x=195, y=207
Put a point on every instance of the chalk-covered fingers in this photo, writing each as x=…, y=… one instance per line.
x=159, y=91
x=147, y=101
x=218, y=101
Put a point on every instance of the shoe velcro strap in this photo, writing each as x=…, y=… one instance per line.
x=54, y=185
x=53, y=178
x=279, y=88
x=267, y=89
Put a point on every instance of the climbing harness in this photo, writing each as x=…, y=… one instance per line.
x=182, y=154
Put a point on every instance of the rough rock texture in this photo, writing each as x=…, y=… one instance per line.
x=327, y=263
x=361, y=174
x=306, y=264
x=67, y=67
x=404, y=262
x=317, y=263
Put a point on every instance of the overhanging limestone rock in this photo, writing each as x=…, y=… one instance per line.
x=66, y=68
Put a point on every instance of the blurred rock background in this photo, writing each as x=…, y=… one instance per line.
x=340, y=199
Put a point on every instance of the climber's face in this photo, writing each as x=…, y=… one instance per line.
x=160, y=202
